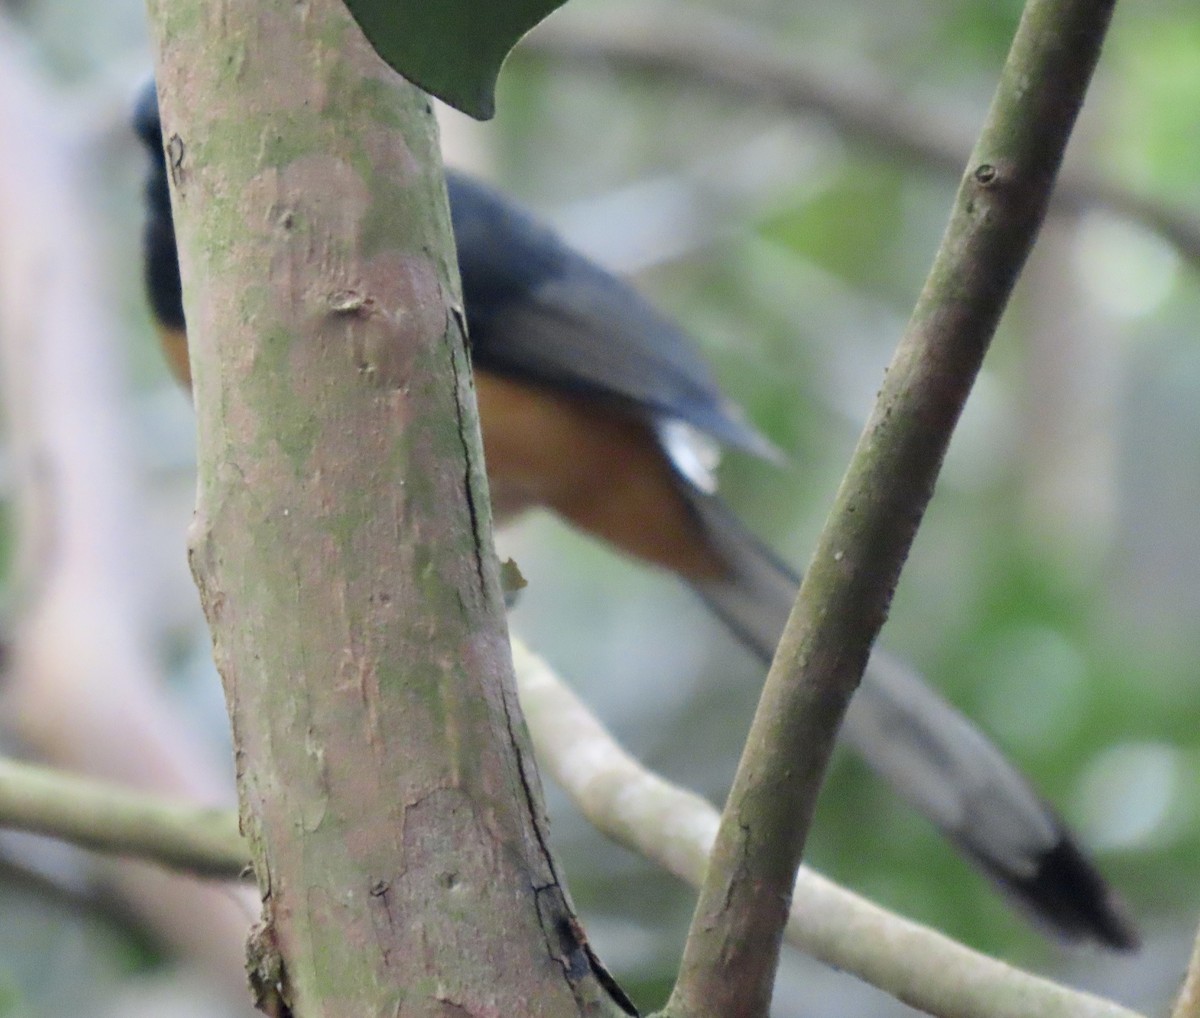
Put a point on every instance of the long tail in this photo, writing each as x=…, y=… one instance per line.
x=933, y=757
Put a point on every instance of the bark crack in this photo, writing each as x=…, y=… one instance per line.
x=566, y=941
x=456, y=349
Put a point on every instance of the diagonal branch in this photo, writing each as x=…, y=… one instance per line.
x=675, y=828
x=732, y=949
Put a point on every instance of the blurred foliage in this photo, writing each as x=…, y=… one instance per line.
x=1054, y=589
x=1159, y=65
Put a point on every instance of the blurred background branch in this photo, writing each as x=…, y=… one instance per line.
x=688, y=47
x=109, y=818
x=84, y=690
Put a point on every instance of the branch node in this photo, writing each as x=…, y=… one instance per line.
x=986, y=174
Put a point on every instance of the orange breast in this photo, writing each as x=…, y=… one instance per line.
x=600, y=470
x=175, y=346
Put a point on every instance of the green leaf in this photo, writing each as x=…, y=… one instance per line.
x=453, y=49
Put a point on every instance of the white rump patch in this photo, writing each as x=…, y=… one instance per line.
x=693, y=453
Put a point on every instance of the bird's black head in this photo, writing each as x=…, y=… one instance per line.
x=161, y=261
x=146, y=122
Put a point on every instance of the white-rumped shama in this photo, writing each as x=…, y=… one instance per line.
x=594, y=405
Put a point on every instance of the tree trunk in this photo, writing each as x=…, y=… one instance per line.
x=342, y=538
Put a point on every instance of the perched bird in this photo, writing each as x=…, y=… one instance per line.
x=597, y=407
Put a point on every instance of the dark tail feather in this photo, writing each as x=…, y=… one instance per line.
x=933, y=757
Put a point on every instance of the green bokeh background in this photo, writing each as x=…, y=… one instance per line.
x=1054, y=590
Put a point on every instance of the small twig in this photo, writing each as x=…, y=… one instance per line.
x=719, y=53
x=731, y=953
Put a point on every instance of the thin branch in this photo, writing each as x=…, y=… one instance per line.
x=671, y=827
x=731, y=953
x=708, y=50
x=110, y=818
x=675, y=828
